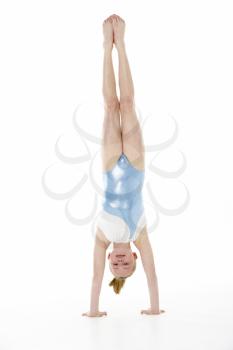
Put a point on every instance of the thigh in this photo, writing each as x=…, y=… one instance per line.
x=132, y=138
x=111, y=139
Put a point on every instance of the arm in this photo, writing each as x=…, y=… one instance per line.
x=146, y=253
x=98, y=272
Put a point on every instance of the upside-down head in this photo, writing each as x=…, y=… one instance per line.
x=122, y=264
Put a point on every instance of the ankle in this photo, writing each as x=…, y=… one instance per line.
x=108, y=46
x=120, y=45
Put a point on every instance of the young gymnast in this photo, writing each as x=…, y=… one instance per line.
x=122, y=219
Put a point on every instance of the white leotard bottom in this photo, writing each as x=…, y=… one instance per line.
x=116, y=229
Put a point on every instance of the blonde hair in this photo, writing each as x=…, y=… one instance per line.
x=118, y=282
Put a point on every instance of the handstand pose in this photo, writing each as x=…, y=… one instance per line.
x=122, y=218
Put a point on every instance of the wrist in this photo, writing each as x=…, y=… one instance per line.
x=94, y=311
x=155, y=310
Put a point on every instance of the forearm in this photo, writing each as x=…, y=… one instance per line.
x=152, y=282
x=149, y=268
x=95, y=293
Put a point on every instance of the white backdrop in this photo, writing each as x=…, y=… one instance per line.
x=181, y=57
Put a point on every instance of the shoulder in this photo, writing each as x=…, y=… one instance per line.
x=101, y=239
x=141, y=238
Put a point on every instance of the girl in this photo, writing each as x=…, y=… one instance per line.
x=122, y=219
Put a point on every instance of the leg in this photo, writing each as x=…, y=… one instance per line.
x=132, y=138
x=111, y=134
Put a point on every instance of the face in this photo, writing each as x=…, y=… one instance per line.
x=121, y=261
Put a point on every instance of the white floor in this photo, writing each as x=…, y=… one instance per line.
x=191, y=322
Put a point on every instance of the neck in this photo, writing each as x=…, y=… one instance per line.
x=121, y=245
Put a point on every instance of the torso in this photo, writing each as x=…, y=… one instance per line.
x=122, y=217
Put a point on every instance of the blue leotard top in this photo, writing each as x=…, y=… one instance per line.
x=123, y=193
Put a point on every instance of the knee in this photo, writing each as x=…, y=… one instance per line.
x=112, y=104
x=127, y=103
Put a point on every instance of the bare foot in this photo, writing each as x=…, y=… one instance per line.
x=108, y=33
x=118, y=30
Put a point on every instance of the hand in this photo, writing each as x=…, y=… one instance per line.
x=95, y=314
x=152, y=312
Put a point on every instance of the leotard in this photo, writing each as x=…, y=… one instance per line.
x=122, y=216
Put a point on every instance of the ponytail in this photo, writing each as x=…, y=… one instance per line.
x=117, y=283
